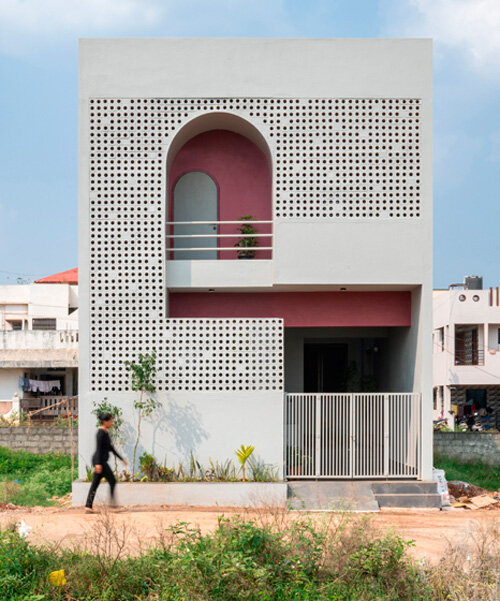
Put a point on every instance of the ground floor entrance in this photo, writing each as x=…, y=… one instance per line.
x=353, y=435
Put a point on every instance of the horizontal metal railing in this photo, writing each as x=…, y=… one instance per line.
x=177, y=240
x=469, y=357
x=353, y=435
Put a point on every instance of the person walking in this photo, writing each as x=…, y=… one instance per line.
x=100, y=460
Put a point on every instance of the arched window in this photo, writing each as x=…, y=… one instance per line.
x=195, y=199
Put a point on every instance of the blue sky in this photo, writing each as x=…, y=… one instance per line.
x=38, y=108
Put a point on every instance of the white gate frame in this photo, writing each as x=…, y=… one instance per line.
x=353, y=435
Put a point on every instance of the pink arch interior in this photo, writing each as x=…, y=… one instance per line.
x=241, y=172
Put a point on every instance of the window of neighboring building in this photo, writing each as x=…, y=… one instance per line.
x=16, y=324
x=440, y=336
x=439, y=340
x=44, y=324
x=434, y=398
x=441, y=398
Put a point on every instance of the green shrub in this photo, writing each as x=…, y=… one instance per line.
x=30, y=479
x=21, y=462
x=339, y=559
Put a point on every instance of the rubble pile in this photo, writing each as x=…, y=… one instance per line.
x=468, y=496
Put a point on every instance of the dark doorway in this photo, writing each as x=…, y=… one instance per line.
x=325, y=367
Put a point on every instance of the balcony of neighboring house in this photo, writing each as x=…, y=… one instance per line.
x=469, y=344
x=219, y=228
x=38, y=348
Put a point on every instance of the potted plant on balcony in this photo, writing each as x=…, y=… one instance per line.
x=248, y=240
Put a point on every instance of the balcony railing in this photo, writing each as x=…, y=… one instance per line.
x=469, y=357
x=38, y=339
x=202, y=240
x=50, y=407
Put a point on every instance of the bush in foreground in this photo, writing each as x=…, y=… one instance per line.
x=338, y=559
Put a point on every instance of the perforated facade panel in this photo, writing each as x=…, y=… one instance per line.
x=333, y=159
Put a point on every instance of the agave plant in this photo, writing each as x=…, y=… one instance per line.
x=243, y=454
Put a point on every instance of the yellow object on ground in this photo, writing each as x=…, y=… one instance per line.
x=57, y=578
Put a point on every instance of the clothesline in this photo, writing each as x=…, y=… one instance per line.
x=45, y=386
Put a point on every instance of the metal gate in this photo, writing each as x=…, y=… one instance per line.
x=353, y=435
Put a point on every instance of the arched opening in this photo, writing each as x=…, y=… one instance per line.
x=223, y=157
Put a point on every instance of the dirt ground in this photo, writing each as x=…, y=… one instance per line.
x=430, y=529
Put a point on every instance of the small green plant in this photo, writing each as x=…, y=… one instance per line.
x=248, y=241
x=262, y=472
x=223, y=470
x=243, y=454
x=142, y=375
x=195, y=468
x=149, y=466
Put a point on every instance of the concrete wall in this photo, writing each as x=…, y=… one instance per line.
x=469, y=446
x=8, y=383
x=38, y=339
x=40, y=439
x=211, y=425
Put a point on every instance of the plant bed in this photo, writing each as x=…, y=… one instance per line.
x=201, y=494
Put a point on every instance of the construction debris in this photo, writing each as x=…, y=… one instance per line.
x=472, y=497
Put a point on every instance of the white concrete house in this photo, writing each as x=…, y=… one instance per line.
x=315, y=346
x=39, y=341
x=466, y=351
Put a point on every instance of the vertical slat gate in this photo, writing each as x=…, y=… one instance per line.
x=352, y=435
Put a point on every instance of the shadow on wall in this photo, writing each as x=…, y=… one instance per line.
x=181, y=423
x=176, y=430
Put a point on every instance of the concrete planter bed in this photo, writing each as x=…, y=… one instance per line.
x=201, y=494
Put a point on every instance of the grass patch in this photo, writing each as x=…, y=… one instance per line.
x=339, y=559
x=30, y=479
x=474, y=472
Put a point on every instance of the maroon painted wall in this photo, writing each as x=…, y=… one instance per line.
x=242, y=175
x=300, y=309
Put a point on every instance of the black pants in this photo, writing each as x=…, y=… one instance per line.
x=107, y=473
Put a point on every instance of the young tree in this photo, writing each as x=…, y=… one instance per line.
x=142, y=376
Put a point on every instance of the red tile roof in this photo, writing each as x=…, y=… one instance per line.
x=65, y=277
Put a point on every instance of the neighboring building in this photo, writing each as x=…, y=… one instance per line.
x=466, y=352
x=327, y=144
x=39, y=341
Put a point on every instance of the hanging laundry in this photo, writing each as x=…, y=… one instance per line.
x=34, y=385
x=24, y=384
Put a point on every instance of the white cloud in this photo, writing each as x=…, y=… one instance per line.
x=468, y=26
x=63, y=16
x=31, y=27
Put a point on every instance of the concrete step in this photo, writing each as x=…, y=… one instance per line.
x=422, y=500
x=333, y=496
x=397, y=487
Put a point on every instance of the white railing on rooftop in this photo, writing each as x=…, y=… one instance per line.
x=197, y=241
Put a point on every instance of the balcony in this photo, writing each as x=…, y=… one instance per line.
x=219, y=254
x=469, y=357
x=39, y=348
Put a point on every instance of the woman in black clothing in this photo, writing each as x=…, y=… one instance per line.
x=100, y=460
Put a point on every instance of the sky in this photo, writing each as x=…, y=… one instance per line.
x=38, y=109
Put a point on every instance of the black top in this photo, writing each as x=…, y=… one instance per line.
x=104, y=446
